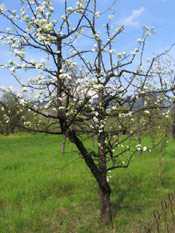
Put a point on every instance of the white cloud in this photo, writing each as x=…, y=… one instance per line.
x=131, y=20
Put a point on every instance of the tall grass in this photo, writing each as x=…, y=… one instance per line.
x=42, y=190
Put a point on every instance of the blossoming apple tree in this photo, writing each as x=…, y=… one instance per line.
x=81, y=89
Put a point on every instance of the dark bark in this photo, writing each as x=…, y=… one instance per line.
x=6, y=130
x=63, y=144
x=104, y=194
x=105, y=206
x=12, y=129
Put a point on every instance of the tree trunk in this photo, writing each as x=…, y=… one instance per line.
x=12, y=129
x=63, y=144
x=104, y=187
x=6, y=131
x=105, y=206
x=139, y=139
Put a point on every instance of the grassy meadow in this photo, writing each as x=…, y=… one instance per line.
x=43, y=191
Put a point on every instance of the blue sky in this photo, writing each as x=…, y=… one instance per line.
x=133, y=14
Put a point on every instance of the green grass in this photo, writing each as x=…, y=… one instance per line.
x=43, y=191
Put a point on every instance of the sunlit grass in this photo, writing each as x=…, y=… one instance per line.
x=42, y=190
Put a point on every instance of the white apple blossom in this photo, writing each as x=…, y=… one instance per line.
x=95, y=119
x=2, y=7
x=13, y=69
x=110, y=16
x=139, y=40
x=18, y=95
x=22, y=102
x=97, y=14
x=147, y=112
x=32, y=2
x=111, y=51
